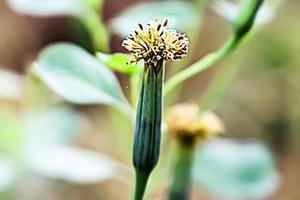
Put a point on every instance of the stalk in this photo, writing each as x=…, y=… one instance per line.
x=241, y=26
x=148, y=126
x=208, y=61
x=180, y=188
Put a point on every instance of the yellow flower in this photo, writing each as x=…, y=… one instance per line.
x=153, y=42
x=189, y=127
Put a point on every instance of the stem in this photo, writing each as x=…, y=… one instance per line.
x=140, y=184
x=208, y=61
x=97, y=30
x=180, y=189
x=220, y=83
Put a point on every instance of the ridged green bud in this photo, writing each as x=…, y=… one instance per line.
x=148, y=119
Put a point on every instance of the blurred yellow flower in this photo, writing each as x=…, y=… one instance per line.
x=190, y=126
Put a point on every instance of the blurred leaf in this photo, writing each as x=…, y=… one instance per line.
x=70, y=164
x=8, y=174
x=49, y=7
x=96, y=4
x=10, y=85
x=85, y=11
x=229, y=169
x=118, y=62
x=181, y=14
x=78, y=77
x=10, y=134
x=55, y=125
x=229, y=11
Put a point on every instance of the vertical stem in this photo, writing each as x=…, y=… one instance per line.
x=140, y=184
x=97, y=31
x=180, y=188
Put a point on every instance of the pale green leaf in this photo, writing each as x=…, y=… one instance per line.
x=11, y=85
x=78, y=77
x=49, y=7
x=118, y=62
x=230, y=169
x=54, y=125
x=8, y=174
x=181, y=14
x=72, y=164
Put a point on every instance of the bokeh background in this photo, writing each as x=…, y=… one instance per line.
x=262, y=104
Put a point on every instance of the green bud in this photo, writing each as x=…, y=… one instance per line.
x=246, y=16
x=148, y=119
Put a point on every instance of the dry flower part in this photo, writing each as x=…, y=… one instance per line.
x=154, y=42
x=185, y=123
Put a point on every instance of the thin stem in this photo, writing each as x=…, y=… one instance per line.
x=180, y=189
x=208, y=61
x=220, y=83
x=97, y=30
x=140, y=184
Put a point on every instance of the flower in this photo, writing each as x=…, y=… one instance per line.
x=153, y=42
x=191, y=127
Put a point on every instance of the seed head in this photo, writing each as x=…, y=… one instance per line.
x=153, y=42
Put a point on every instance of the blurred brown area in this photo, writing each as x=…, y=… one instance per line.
x=263, y=100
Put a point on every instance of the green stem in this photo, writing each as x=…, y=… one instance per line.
x=180, y=189
x=140, y=184
x=220, y=83
x=208, y=61
x=97, y=30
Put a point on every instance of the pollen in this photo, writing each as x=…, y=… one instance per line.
x=154, y=42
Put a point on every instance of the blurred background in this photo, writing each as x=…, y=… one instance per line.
x=54, y=150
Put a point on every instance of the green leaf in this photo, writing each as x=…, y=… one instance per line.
x=118, y=62
x=78, y=77
x=181, y=14
x=10, y=133
x=49, y=7
x=53, y=125
x=85, y=11
x=8, y=174
x=11, y=85
x=71, y=164
x=235, y=170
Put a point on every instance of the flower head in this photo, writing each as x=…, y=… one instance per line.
x=185, y=123
x=153, y=42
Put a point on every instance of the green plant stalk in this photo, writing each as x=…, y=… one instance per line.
x=177, y=66
x=193, y=34
x=97, y=30
x=241, y=27
x=220, y=83
x=208, y=61
x=180, y=188
x=140, y=184
x=147, y=135
x=246, y=16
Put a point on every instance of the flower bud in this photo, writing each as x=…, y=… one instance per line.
x=190, y=127
x=148, y=120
